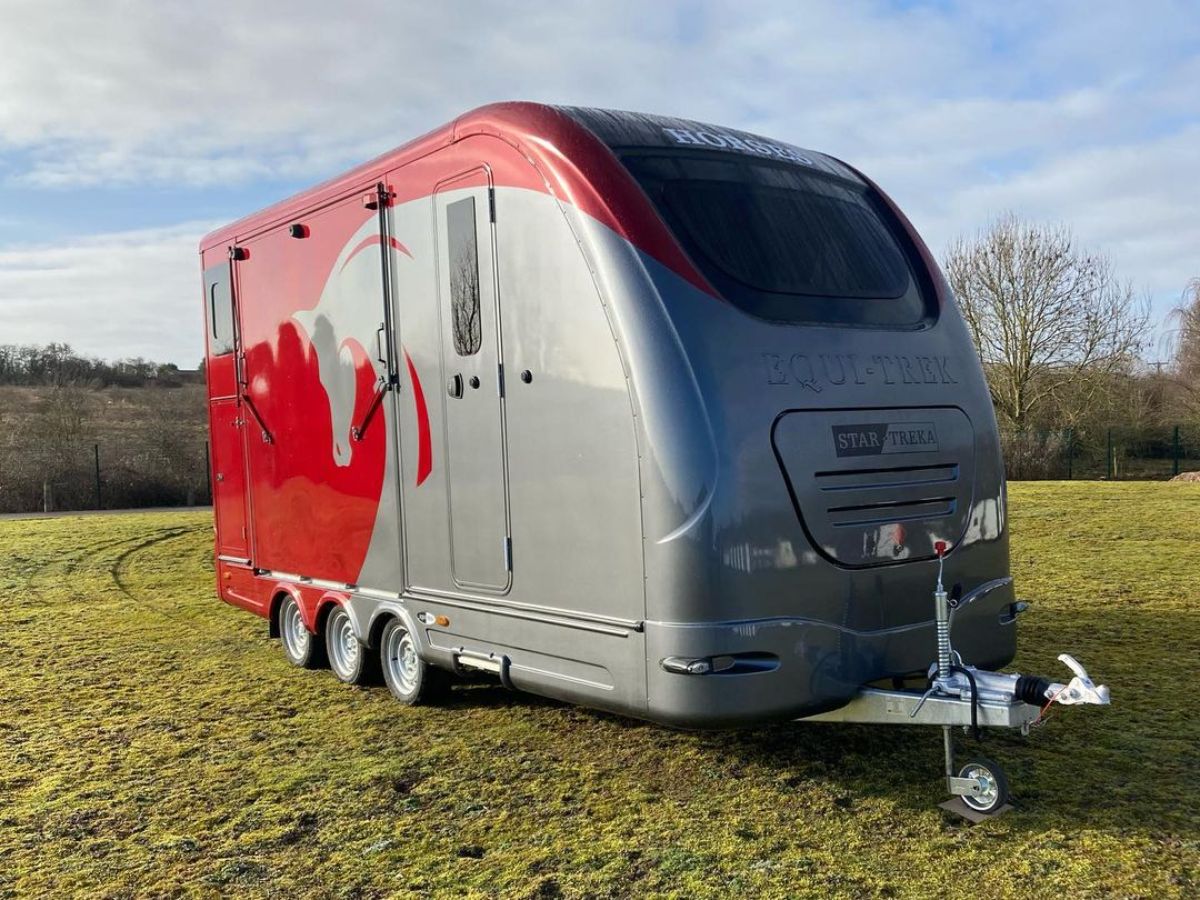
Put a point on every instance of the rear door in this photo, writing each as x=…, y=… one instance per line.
x=226, y=417
x=473, y=393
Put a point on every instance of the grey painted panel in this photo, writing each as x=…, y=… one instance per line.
x=741, y=554
x=820, y=665
x=572, y=453
x=476, y=488
x=424, y=510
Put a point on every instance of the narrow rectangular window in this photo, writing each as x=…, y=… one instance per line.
x=220, y=316
x=463, y=255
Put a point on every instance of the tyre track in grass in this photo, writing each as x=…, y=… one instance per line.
x=68, y=563
x=118, y=571
x=96, y=550
x=73, y=561
x=119, y=574
x=121, y=562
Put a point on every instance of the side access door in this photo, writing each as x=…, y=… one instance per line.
x=226, y=416
x=473, y=395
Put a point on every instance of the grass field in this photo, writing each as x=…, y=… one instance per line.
x=154, y=742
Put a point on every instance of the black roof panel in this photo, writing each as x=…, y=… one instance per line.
x=625, y=130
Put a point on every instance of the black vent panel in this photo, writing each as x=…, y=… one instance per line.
x=878, y=486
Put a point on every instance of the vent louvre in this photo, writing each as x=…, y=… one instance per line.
x=873, y=479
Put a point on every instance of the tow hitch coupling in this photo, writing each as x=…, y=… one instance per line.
x=973, y=698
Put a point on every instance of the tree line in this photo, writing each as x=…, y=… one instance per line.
x=58, y=364
x=1063, y=340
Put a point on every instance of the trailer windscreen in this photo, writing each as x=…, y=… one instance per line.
x=785, y=241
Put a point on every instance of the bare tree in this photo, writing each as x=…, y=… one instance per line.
x=1184, y=342
x=1049, y=320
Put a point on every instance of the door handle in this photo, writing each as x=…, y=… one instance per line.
x=380, y=356
x=454, y=386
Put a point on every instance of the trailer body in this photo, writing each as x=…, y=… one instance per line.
x=657, y=417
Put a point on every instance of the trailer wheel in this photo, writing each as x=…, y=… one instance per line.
x=300, y=646
x=349, y=660
x=410, y=679
x=994, y=782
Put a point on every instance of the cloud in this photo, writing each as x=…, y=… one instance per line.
x=165, y=92
x=1075, y=111
x=133, y=293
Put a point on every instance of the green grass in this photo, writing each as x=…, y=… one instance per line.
x=154, y=742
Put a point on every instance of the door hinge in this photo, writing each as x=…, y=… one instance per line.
x=508, y=554
x=380, y=198
x=492, y=204
x=500, y=379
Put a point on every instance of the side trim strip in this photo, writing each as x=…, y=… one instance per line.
x=433, y=595
x=528, y=616
x=527, y=612
x=583, y=682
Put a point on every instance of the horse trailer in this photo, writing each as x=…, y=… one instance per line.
x=643, y=414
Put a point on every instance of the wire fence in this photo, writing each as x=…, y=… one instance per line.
x=1117, y=453
x=103, y=476
x=123, y=475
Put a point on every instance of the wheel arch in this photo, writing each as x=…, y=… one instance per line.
x=329, y=601
x=370, y=617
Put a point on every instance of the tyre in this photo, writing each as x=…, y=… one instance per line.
x=349, y=660
x=410, y=679
x=300, y=646
x=993, y=782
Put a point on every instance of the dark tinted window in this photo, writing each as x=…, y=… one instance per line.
x=220, y=313
x=463, y=254
x=784, y=241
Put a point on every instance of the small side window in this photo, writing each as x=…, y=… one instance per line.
x=463, y=255
x=220, y=316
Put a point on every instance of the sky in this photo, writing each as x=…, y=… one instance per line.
x=129, y=129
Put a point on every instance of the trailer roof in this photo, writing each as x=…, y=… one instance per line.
x=576, y=166
x=540, y=129
x=622, y=130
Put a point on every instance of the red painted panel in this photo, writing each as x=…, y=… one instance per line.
x=424, y=438
x=228, y=478
x=241, y=587
x=312, y=515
